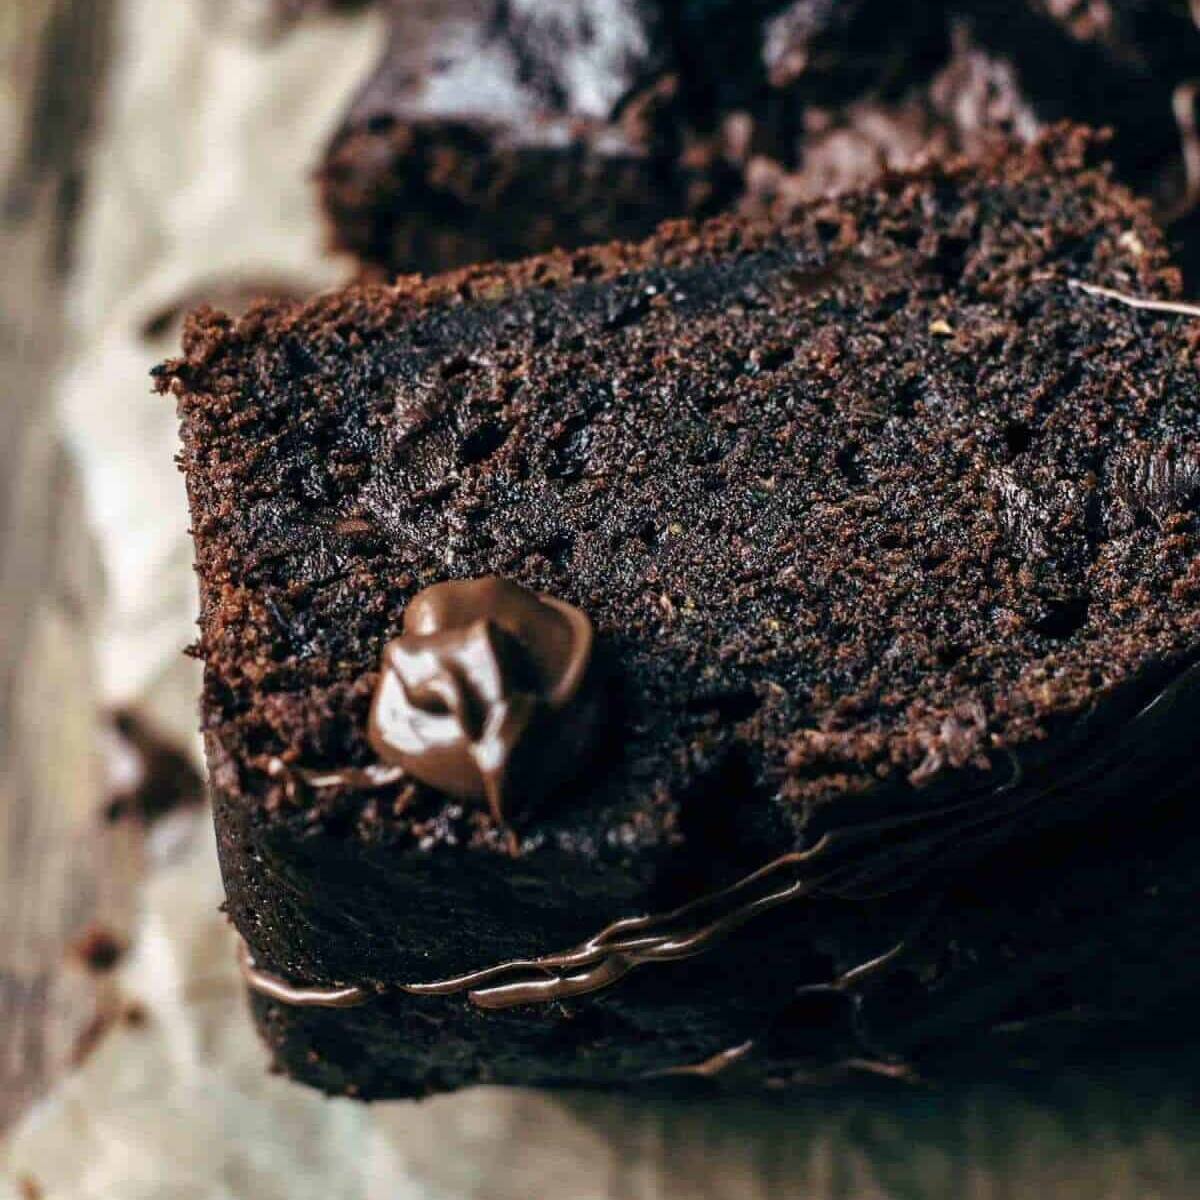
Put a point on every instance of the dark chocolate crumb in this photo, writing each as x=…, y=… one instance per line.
x=100, y=949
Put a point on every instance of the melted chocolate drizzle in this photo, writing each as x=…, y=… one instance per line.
x=296, y=995
x=853, y=862
x=692, y=929
x=609, y=956
x=711, y=1067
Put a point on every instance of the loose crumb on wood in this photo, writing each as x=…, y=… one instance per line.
x=99, y=949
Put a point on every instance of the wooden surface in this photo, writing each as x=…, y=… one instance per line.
x=61, y=870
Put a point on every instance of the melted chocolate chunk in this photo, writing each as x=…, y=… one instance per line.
x=483, y=668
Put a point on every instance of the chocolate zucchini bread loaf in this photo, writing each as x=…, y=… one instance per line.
x=751, y=581
x=498, y=130
x=491, y=130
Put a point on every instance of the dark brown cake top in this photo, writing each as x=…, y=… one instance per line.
x=856, y=504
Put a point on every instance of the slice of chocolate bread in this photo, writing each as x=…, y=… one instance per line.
x=492, y=130
x=886, y=532
x=499, y=130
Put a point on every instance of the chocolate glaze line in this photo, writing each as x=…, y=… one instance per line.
x=275, y=988
x=713, y=1068
x=605, y=958
x=710, y=1068
x=845, y=983
x=696, y=927
x=609, y=956
x=693, y=928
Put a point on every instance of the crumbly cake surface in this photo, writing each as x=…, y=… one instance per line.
x=869, y=498
x=866, y=509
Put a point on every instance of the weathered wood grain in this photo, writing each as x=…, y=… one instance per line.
x=61, y=870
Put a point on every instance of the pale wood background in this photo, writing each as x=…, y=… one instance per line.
x=1125, y=1132
x=62, y=870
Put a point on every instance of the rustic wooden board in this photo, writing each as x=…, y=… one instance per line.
x=62, y=871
